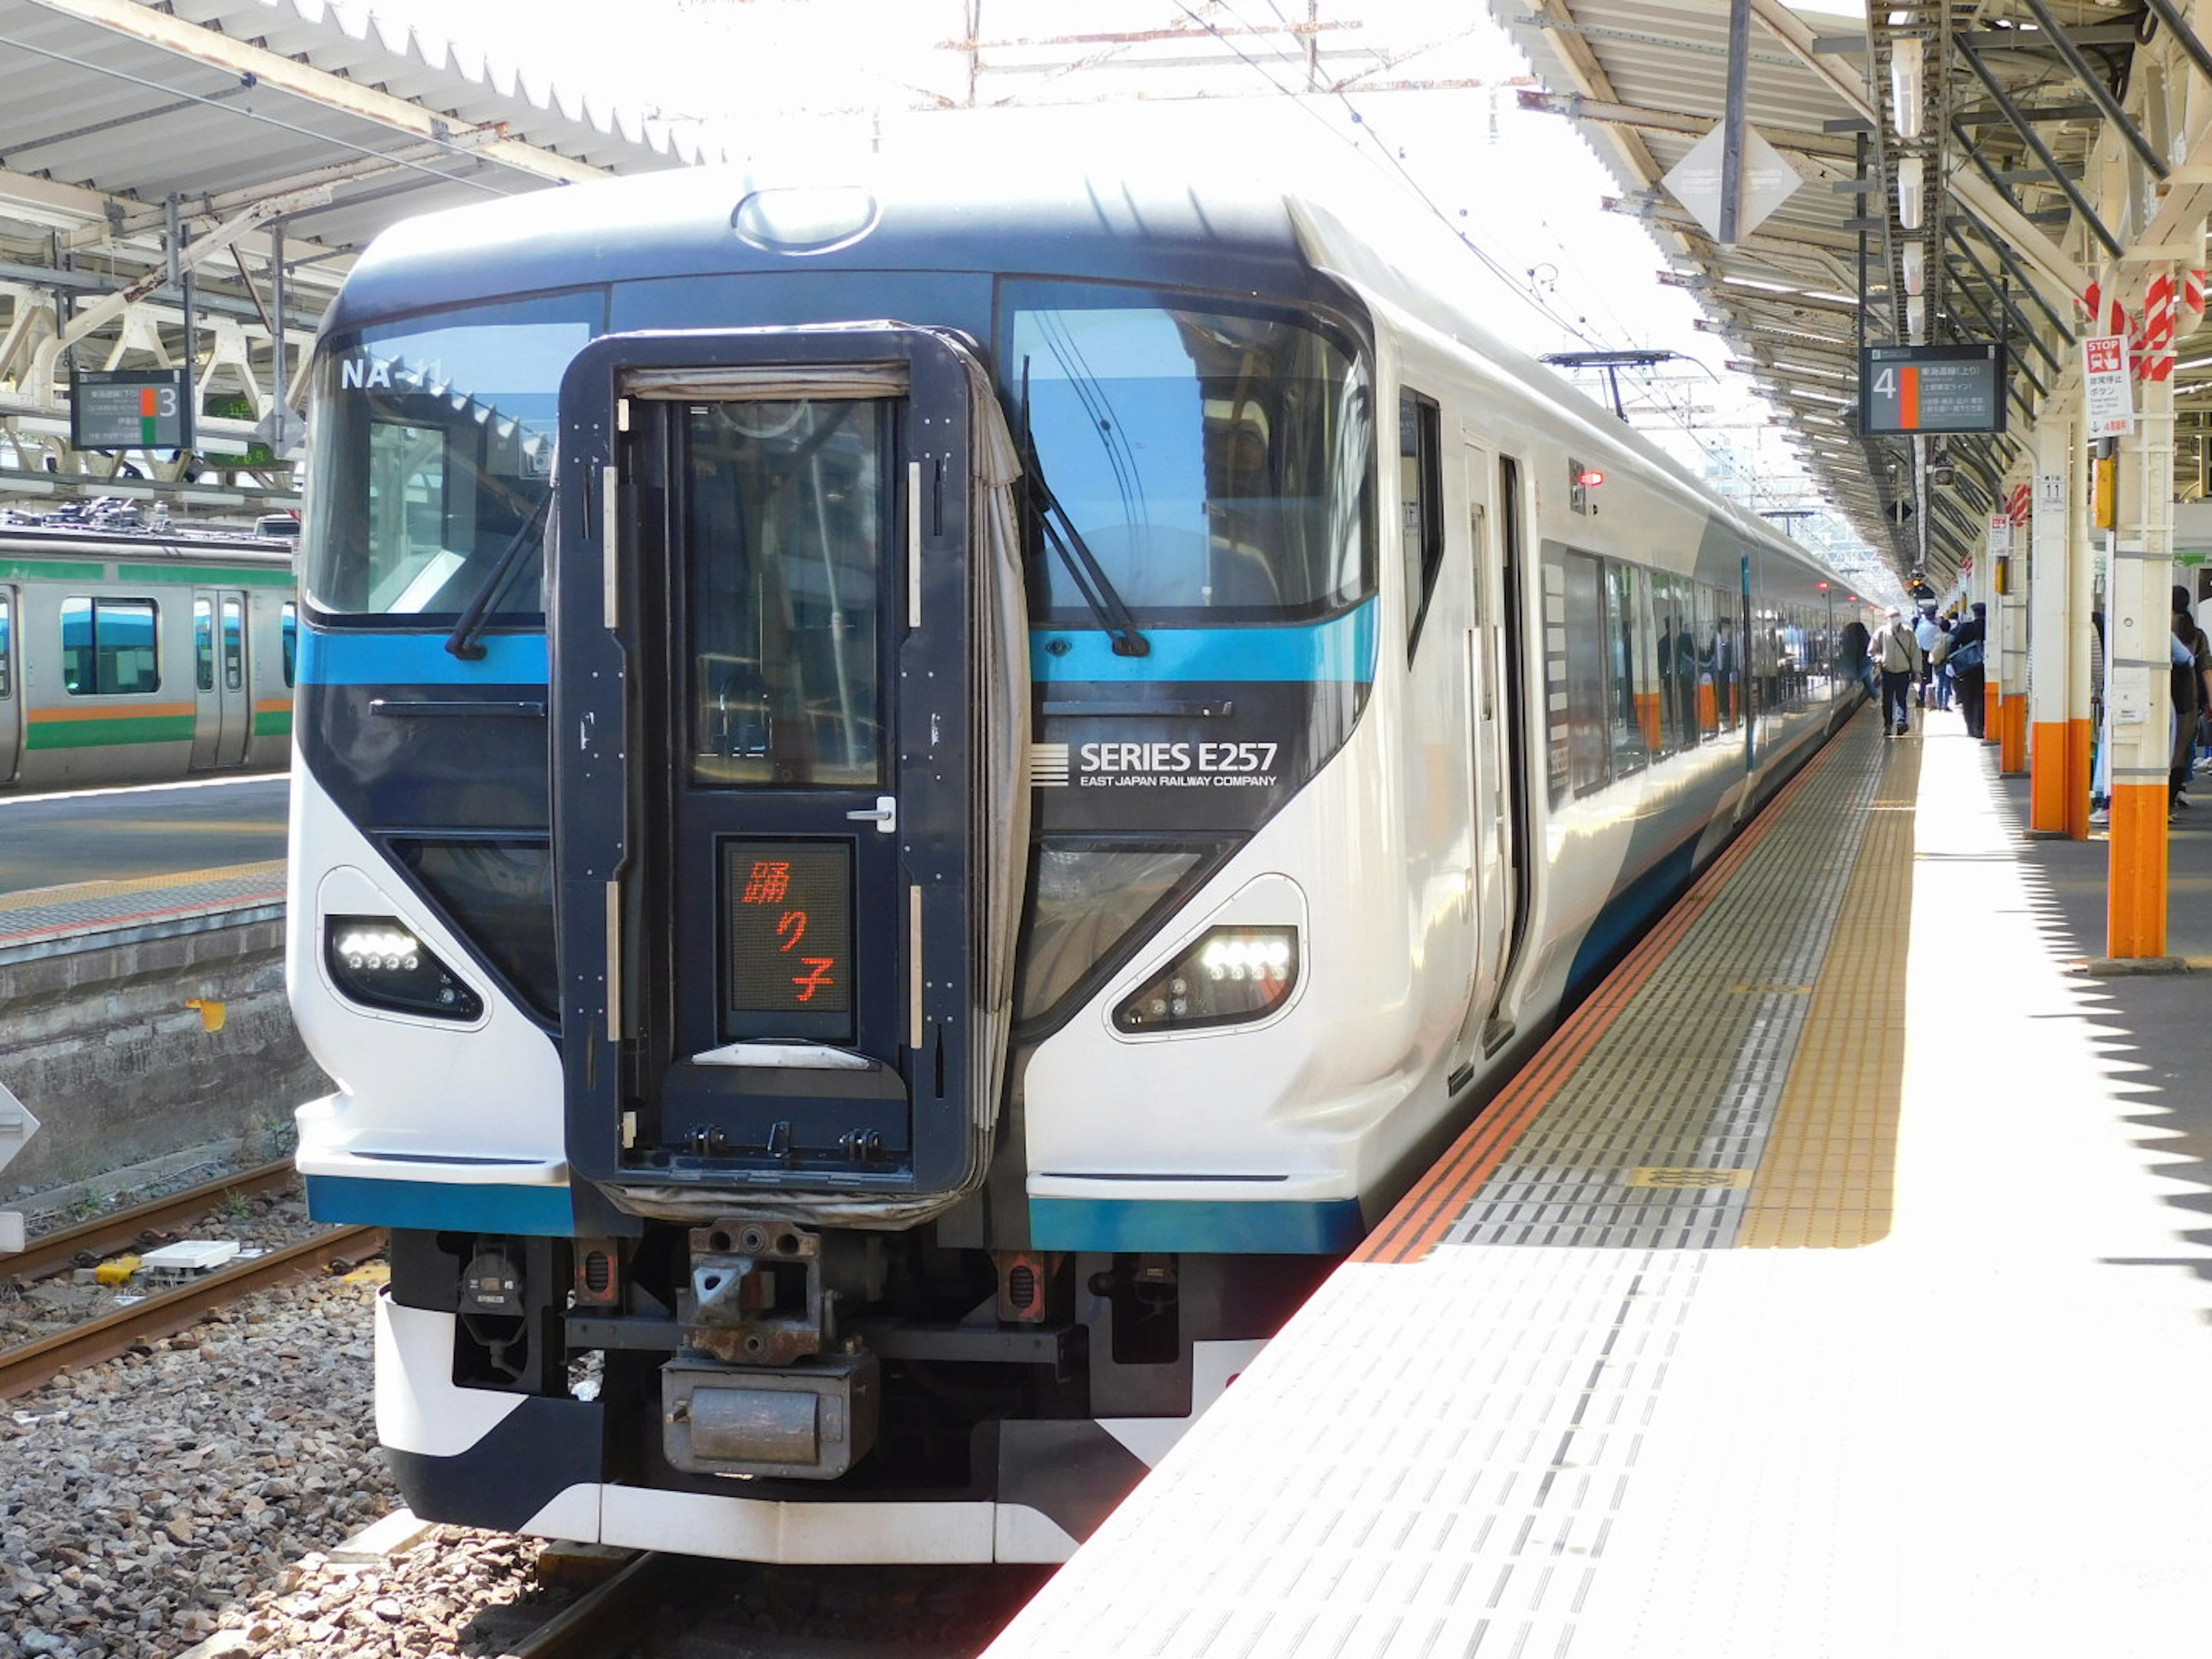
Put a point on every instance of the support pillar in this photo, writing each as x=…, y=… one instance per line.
x=2008, y=657
x=2052, y=781
x=2083, y=694
x=2139, y=717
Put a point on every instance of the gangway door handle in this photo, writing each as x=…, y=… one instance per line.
x=885, y=816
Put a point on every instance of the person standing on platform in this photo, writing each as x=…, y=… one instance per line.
x=1969, y=651
x=1925, y=632
x=2190, y=678
x=1901, y=665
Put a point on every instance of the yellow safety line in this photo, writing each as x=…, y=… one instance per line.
x=40, y=897
x=1827, y=1176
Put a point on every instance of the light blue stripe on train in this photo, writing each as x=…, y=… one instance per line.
x=1338, y=648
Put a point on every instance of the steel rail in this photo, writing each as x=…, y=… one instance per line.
x=52, y=1253
x=605, y=1617
x=113, y=1334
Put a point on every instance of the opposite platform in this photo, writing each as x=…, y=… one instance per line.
x=1589, y=1391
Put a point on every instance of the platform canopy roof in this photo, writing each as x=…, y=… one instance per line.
x=240, y=115
x=1950, y=155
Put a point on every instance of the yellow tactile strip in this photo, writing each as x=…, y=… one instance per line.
x=82, y=892
x=1829, y=1166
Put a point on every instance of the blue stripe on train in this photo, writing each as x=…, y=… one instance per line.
x=381, y=658
x=1206, y=1226
x=438, y=1206
x=1342, y=647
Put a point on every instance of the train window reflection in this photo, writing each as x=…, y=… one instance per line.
x=1215, y=464
x=203, y=644
x=432, y=449
x=108, y=647
x=234, y=645
x=783, y=525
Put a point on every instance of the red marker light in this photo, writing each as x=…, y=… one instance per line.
x=1590, y=478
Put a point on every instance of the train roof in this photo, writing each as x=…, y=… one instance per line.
x=1226, y=235
x=152, y=546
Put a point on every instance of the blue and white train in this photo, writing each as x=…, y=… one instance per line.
x=916, y=802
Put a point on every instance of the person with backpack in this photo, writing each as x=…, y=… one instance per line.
x=1901, y=666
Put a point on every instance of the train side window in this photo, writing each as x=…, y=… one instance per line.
x=108, y=647
x=1635, y=707
x=203, y=644
x=234, y=645
x=1678, y=663
x=289, y=630
x=1420, y=487
x=7, y=647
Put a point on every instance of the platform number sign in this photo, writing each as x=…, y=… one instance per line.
x=131, y=409
x=1908, y=389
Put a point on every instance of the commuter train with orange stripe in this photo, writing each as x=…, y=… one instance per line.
x=916, y=802
x=129, y=657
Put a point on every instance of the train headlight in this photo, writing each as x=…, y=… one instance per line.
x=378, y=964
x=1229, y=975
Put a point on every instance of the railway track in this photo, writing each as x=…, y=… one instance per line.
x=28, y=1365
x=56, y=1252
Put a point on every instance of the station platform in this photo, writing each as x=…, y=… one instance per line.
x=1837, y=1282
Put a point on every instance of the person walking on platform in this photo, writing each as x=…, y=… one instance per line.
x=1901, y=664
x=1969, y=649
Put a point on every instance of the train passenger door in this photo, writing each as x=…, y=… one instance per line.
x=1490, y=806
x=800, y=896
x=11, y=689
x=223, y=716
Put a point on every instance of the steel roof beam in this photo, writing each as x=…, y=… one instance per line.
x=1958, y=240
x=2086, y=73
x=1578, y=106
x=2033, y=140
x=1787, y=27
x=274, y=69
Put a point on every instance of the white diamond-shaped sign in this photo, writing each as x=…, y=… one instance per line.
x=1768, y=181
x=17, y=1126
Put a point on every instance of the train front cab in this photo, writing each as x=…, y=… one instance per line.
x=789, y=640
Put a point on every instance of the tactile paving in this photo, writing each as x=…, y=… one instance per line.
x=45, y=912
x=1690, y=1081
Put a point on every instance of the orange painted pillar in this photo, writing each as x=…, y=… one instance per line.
x=1992, y=710
x=2050, y=778
x=2011, y=732
x=2136, y=917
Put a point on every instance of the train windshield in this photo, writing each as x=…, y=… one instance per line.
x=1214, y=464
x=432, y=453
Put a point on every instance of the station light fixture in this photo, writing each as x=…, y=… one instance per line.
x=1912, y=182
x=1912, y=258
x=379, y=962
x=1229, y=976
x=1907, y=85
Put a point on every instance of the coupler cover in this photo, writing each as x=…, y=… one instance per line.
x=811, y=1422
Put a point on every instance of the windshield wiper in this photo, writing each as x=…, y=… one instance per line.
x=465, y=641
x=1082, y=567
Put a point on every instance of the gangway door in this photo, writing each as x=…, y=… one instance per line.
x=791, y=696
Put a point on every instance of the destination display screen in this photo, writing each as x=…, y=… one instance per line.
x=787, y=913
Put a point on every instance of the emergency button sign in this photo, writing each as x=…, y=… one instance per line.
x=2108, y=392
